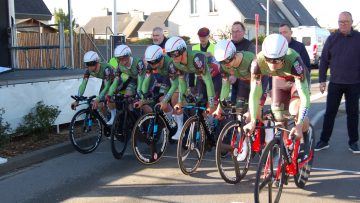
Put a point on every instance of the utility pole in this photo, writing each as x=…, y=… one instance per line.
x=114, y=19
x=71, y=34
x=267, y=18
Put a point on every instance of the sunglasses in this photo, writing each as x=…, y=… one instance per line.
x=174, y=54
x=91, y=63
x=156, y=61
x=274, y=61
x=227, y=61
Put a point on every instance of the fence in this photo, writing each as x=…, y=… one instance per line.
x=42, y=50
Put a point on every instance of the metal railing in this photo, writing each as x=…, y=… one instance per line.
x=92, y=42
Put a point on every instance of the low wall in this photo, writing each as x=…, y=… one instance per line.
x=18, y=99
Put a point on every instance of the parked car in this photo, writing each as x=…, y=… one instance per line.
x=313, y=38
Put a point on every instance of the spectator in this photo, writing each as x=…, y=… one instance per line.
x=341, y=53
x=285, y=30
x=159, y=37
x=205, y=45
x=241, y=44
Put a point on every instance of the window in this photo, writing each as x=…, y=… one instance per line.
x=193, y=6
x=212, y=6
x=306, y=41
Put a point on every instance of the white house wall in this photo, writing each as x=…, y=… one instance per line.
x=183, y=23
x=19, y=99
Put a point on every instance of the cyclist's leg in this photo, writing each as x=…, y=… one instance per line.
x=281, y=92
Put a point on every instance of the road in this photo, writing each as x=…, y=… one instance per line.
x=98, y=177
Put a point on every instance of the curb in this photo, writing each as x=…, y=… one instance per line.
x=34, y=157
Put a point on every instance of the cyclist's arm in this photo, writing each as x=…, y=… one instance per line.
x=140, y=78
x=108, y=76
x=301, y=84
x=210, y=90
x=115, y=83
x=182, y=88
x=174, y=85
x=83, y=84
x=173, y=80
x=145, y=84
x=255, y=90
x=225, y=87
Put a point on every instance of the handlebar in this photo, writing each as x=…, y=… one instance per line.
x=82, y=98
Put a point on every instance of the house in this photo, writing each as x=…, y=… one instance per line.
x=34, y=9
x=33, y=25
x=189, y=15
x=100, y=26
x=155, y=19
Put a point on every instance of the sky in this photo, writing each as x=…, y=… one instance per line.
x=326, y=11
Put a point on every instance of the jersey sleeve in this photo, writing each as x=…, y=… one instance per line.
x=173, y=80
x=255, y=89
x=83, y=84
x=115, y=83
x=182, y=87
x=225, y=86
x=200, y=63
x=141, y=70
x=108, y=77
x=300, y=74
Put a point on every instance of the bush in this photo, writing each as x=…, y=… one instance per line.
x=38, y=123
x=4, y=129
x=146, y=41
x=260, y=39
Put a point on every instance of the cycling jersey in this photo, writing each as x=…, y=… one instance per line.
x=105, y=73
x=196, y=60
x=136, y=74
x=242, y=72
x=293, y=70
x=163, y=77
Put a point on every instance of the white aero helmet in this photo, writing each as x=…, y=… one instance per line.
x=153, y=54
x=91, y=56
x=224, y=49
x=274, y=46
x=175, y=44
x=122, y=51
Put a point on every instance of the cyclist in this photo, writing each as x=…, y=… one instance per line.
x=133, y=68
x=96, y=69
x=290, y=92
x=160, y=78
x=191, y=62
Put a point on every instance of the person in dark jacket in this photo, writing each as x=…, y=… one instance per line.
x=158, y=37
x=341, y=53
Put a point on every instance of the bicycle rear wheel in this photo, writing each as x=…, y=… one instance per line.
x=303, y=173
x=270, y=175
x=149, y=139
x=85, y=131
x=191, y=144
x=119, y=135
x=233, y=153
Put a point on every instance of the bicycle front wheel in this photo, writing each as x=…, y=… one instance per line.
x=303, y=173
x=119, y=135
x=233, y=152
x=270, y=175
x=85, y=131
x=149, y=138
x=191, y=144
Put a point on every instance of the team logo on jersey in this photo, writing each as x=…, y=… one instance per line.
x=198, y=62
x=140, y=66
x=299, y=69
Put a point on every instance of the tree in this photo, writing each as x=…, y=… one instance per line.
x=61, y=16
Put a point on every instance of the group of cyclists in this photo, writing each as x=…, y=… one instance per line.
x=165, y=72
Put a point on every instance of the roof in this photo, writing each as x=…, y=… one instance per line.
x=300, y=13
x=34, y=22
x=156, y=19
x=35, y=9
x=250, y=8
x=99, y=23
